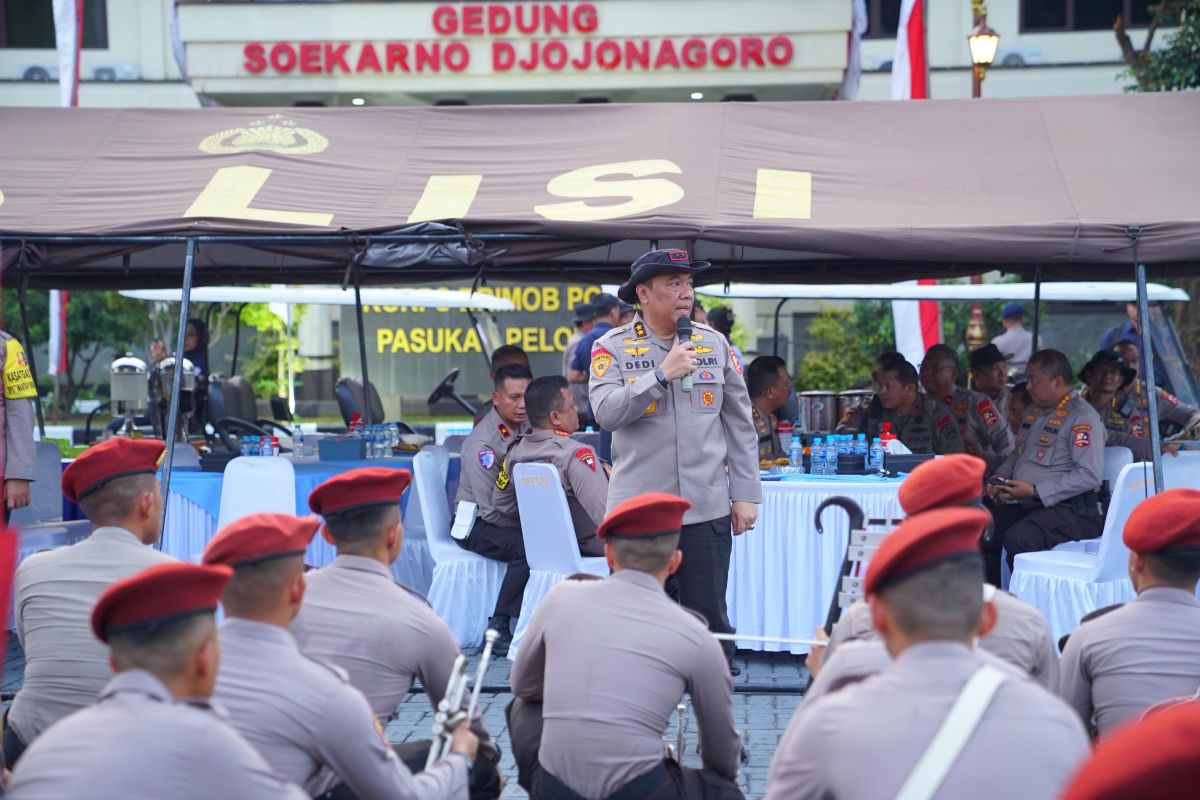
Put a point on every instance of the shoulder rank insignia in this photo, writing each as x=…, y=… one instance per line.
x=505, y=433
x=601, y=361
x=585, y=456
x=636, y=351
x=639, y=329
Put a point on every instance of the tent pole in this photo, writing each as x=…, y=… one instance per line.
x=1148, y=370
x=237, y=339
x=362, y=349
x=177, y=380
x=775, y=341
x=37, y=403
x=1037, y=304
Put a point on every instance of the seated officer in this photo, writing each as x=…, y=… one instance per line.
x=864, y=741
x=1118, y=665
x=769, y=386
x=54, y=591
x=151, y=734
x=984, y=431
x=488, y=532
x=552, y=413
x=1103, y=377
x=503, y=356
x=304, y=717
x=989, y=375
x=605, y=662
x=1020, y=636
x=854, y=419
x=923, y=424
x=1133, y=403
x=356, y=617
x=1049, y=492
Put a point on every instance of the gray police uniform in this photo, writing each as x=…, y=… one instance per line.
x=66, y=666
x=608, y=661
x=863, y=741
x=929, y=427
x=1060, y=450
x=700, y=445
x=1116, y=666
x=138, y=742
x=1020, y=637
x=981, y=423
x=494, y=535
x=1132, y=403
x=311, y=725
x=1119, y=430
x=583, y=479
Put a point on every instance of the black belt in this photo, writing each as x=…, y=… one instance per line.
x=548, y=787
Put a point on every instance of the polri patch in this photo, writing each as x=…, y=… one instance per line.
x=487, y=458
x=987, y=412
x=585, y=456
x=1082, y=435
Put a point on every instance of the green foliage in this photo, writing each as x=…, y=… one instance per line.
x=266, y=366
x=1176, y=66
x=850, y=341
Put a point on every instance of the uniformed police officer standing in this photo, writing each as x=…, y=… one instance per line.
x=151, y=733
x=492, y=534
x=599, y=741
x=984, y=431
x=553, y=417
x=867, y=740
x=356, y=617
x=1117, y=666
x=54, y=591
x=18, y=459
x=700, y=444
x=304, y=717
x=1134, y=404
x=1051, y=481
x=922, y=424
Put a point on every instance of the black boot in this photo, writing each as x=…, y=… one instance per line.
x=499, y=623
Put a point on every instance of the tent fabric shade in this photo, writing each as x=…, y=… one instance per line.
x=769, y=192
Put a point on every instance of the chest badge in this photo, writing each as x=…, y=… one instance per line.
x=706, y=375
x=708, y=398
x=637, y=351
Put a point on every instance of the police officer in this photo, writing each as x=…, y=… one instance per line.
x=866, y=740
x=769, y=386
x=854, y=419
x=989, y=375
x=18, y=460
x=54, y=591
x=1132, y=401
x=1104, y=376
x=356, y=617
x=304, y=717
x=984, y=431
x=597, y=742
x=584, y=317
x=151, y=733
x=553, y=417
x=1048, y=492
x=922, y=424
x=502, y=356
x=489, y=532
x=1148, y=651
x=699, y=444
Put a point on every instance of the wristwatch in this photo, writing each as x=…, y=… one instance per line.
x=661, y=377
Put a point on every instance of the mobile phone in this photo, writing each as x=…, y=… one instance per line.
x=996, y=480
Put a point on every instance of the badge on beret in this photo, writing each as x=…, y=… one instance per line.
x=637, y=351
x=601, y=361
x=737, y=364
x=988, y=412
x=586, y=457
x=505, y=433
x=1083, y=435
x=639, y=330
x=701, y=349
x=707, y=398
x=487, y=458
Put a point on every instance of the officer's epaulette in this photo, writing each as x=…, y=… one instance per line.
x=415, y=594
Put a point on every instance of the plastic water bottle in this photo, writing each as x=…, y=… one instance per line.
x=860, y=445
x=298, y=442
x=834, y=449
x=817, y=456
x=875, y=463
x=796, y=454
x=249, y=446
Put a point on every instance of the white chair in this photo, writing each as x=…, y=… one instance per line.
x=1116, y=458
x=44, y=514
x=550, y=545
x=1067, y=584
x=414, y=566
x=256, y=485
x=464, y=586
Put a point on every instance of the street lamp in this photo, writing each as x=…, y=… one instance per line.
x=983, y=42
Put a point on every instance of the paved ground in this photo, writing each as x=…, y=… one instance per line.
x=761, y=716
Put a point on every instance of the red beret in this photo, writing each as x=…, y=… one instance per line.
x=953, y=480
x=117, y=458
x=359, y=488
x=161, y=592
x=925, y=539
x=644, y=517
x=260, y=537
x=1165, y=521
x=1156, y=759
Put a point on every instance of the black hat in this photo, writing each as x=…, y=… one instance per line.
x=985, y=356
x=658, y=262
x=583, y=312
x=1107, y=358
x=604, y=303
x=626, y=308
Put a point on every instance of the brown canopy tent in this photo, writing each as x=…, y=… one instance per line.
x=1084, y=186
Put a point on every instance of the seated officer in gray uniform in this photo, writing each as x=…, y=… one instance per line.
x=1117, y=666
x=1134, y=404
x=383, y=634
x=921, y=423
x=152, y=734
x=304, y=717
x=1051, y=481
x=493, y=534
x=866, y=740
x=552, y=413
x=989, y=375
x=605, y=662
x=983, y=429
x=54, y=591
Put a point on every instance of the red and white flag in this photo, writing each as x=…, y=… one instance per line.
x=68, y=40
x=58, y=332
x=918, y=324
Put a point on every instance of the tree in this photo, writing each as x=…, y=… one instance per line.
x=1176, y=66
x=850, y=341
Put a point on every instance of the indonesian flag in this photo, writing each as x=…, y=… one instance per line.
x=68, y=40
x=918, y=324
x=58, y=331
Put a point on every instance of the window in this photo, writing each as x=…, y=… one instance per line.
x=30, y=24
x=883, y=18
x=1083, y=15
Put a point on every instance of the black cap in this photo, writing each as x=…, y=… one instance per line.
x=626, y=308
x=583, y=312
x=604, y=303
x=658, y=262
x=1108, y=358
x=985, y=356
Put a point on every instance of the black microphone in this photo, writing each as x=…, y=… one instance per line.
x=683, y=327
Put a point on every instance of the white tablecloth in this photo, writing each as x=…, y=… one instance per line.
x=782, y=574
